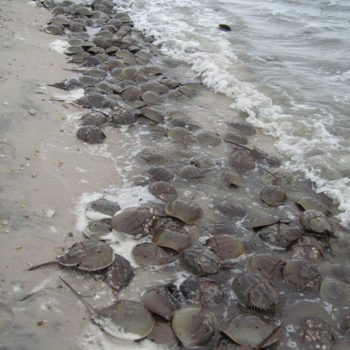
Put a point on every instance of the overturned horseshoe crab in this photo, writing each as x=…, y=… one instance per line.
x=125, y=319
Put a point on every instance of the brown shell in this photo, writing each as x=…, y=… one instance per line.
x=186, y=212
x=148, y=254
x=225, y=246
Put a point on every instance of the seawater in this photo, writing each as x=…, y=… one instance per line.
x=285, y=64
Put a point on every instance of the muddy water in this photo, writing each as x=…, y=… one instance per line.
x=48, y=177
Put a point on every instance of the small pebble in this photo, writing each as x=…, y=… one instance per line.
x=50, y=213
x=32, y=112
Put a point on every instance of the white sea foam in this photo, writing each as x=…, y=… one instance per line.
x=187, y=31
x=59, y=45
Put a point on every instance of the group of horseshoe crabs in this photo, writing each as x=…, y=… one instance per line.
x=241, y=272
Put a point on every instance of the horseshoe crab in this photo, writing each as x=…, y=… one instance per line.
x=280, y=235
x=199, y=260
x=232, y=178
x=163, y=190
x=273, y=196
x=162, y=300
x=120, y=273
x=194, y=326
x=301, y=275
x=311, y=203
x=131, y=93
x=162, y=334
x=90, y=255
x=91, y=134
x=210, y=138
x=148, y=254
x=307, y=248
x=152, y=115
x=125, y=319
x=153, y=157
x=268, y=265
x=234, y=138
x=316, y=334
x=229, y=209
x=151, y=97
x=120, y=116
x=251, y=331
x=191, y=172
x=255, y=292
x=160, y=174
x=225, y=246
x=315, y=221
x=181, y=135
x=203, y=291
x=94, y=118
x=173, y=239
x=103, y=206
x=243, y=128
x=135, y=221
x=202, y=162
x=186, y=212
x=241, y=159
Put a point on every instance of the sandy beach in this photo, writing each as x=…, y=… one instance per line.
x=48, y=176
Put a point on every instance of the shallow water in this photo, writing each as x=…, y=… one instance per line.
x=285, y=64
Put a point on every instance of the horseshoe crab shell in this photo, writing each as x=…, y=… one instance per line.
x=301, y=275
x=104, y=206
x=315, y=221
x=273, y=196
x=255, y=292
x=98, y=229
x=186, y=212
x=148, y=254
x=251, y=331
x=241, y=159
x=125, y=319
x=135, y=221
x=268, y=265
x=194, y=326
x=199, y=260
x=162, y=334
x=191, y=172
x=307, y=248
x=206, y=137
x=163, y=190
x=90, y=134
x=160, y=174
x=162, y=300
x=280, y=235
x=232, y=178
x=202, y=162
x=120, y=273
x=172, y=239
x=203, y=291
x=225, y=246
x=181, y=135
x=153, y=157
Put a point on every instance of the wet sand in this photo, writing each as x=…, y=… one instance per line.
x=48, y=176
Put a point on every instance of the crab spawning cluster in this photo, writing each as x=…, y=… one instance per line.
x=258, y=259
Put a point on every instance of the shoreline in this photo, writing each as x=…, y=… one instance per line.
x=49, y=190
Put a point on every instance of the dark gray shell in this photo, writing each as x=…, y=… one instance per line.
x=199, y=260
x=152, y=115
x=255, y=292
x=148, y=254
x=191, y=172
x=250, y=331
x=104, y=206
x=90, y=255
x=315, y=221
x=120, y=273
x=162, y=300
x=181, y=135
x=91, y=134
x=302, y=275
x=125, y=319
x=307, y=247
x=94, y=118
x=280, y=235
x=206, y=137
x=97, y=229
x=162, y=334
x=241, y=159
x=232, y=178
x=226, y=246
x=172, y=239
x=273, y=196
x=153, y=157
x=186, y=212
x=194, y=326
x=203, y=291
x=202, y=162
x=267, y=265
x=135, y=221
x=160, y=174
x=163, y=190
x=335, y=292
